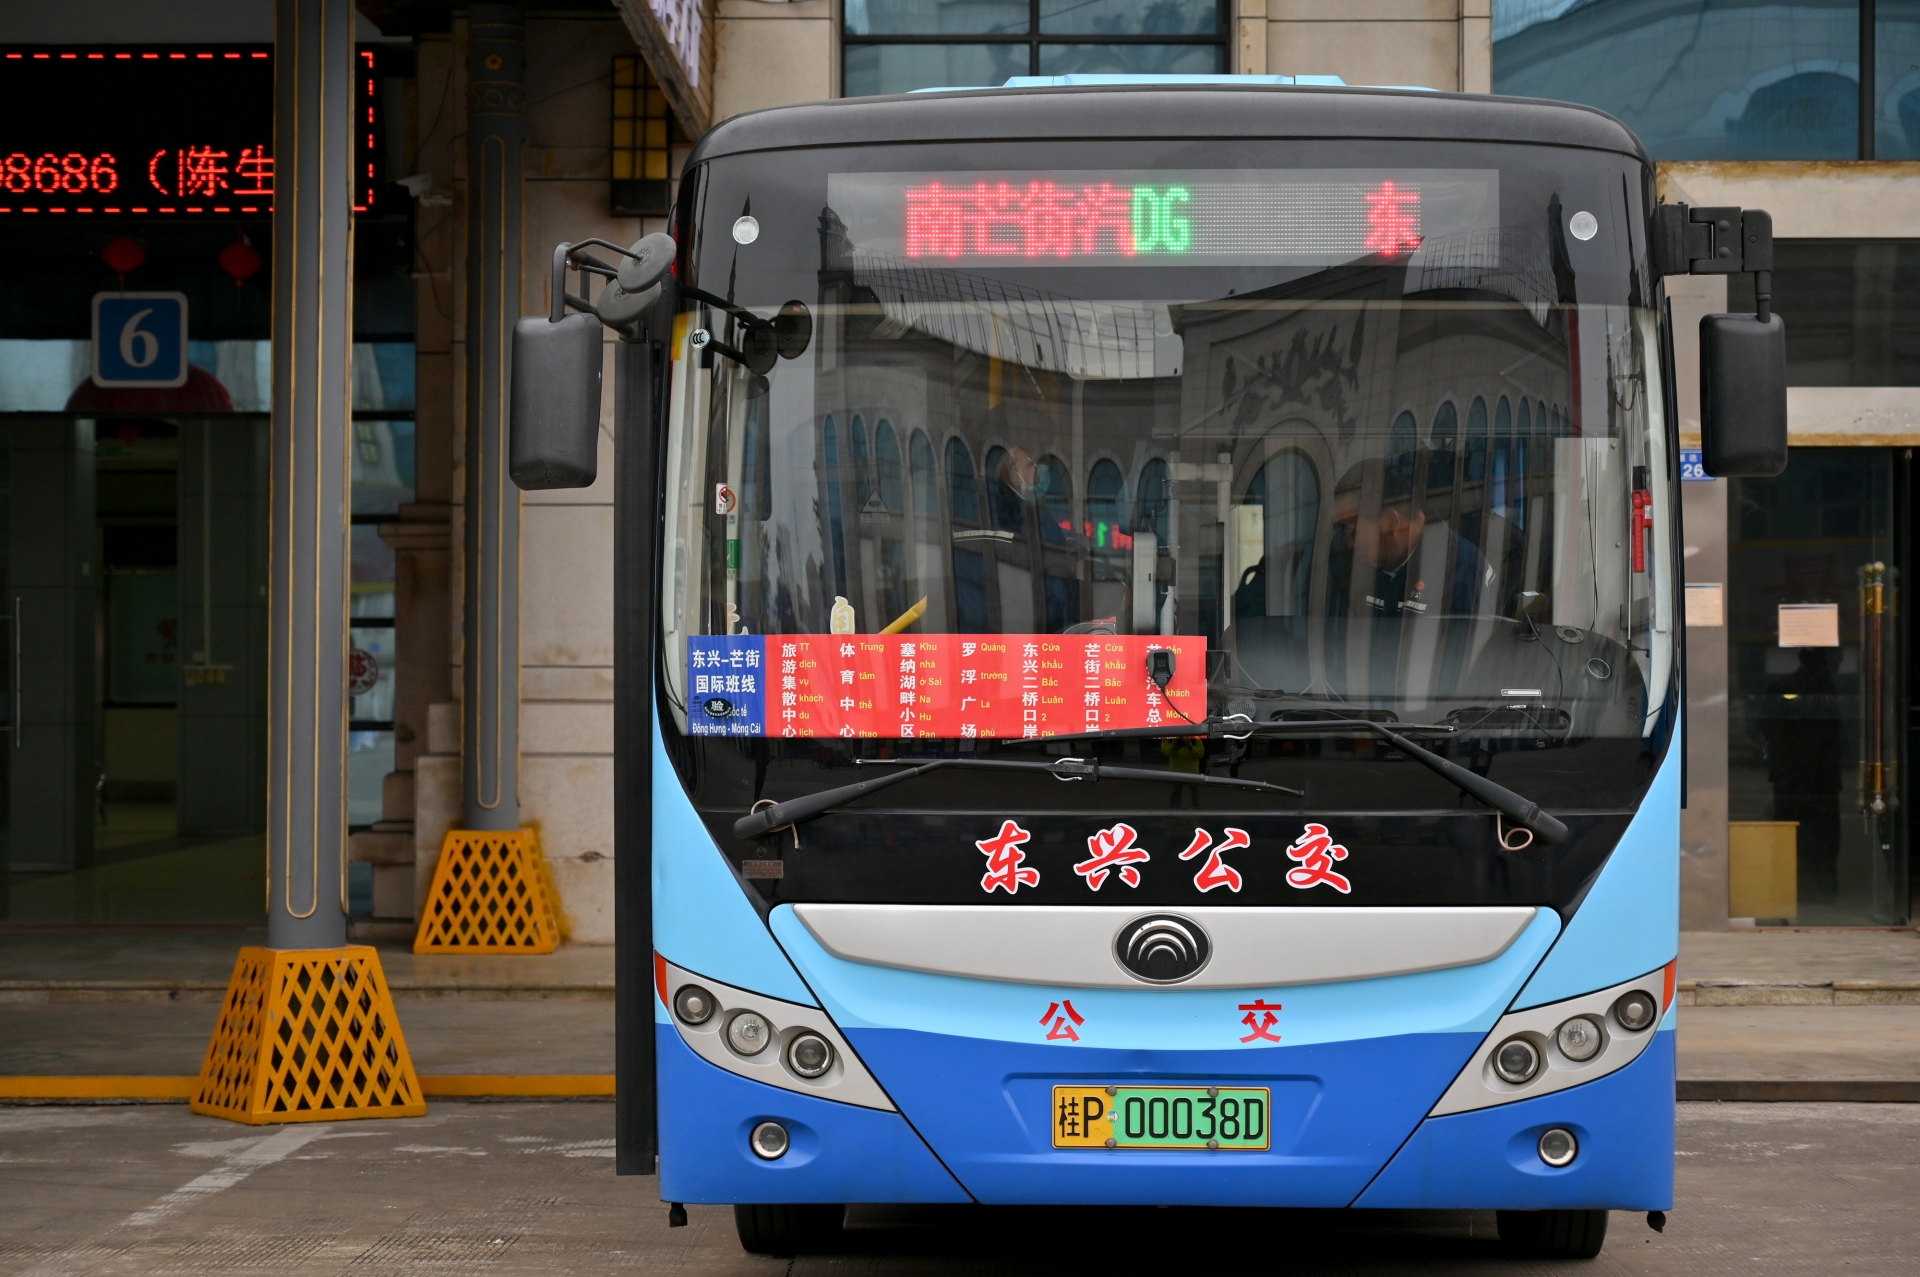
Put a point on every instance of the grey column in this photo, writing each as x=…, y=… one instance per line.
x=496, y=130
x=312, y=335
x=53, y=757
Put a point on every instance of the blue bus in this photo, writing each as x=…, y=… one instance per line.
x=1150, y=656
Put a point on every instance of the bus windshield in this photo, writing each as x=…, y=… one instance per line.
x=1345, y=438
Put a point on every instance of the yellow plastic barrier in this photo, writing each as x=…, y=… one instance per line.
x=491, y=893
x=444, y=1086
x=308, y=1035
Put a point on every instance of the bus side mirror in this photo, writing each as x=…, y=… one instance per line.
x=555, y=413
x=1743, y=395
x=1743, y=358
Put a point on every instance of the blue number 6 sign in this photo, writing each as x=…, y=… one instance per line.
x=140, y=339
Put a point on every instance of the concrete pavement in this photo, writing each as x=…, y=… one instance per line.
x=529, y=1189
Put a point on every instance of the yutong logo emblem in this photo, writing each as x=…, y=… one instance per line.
x=1162, y=948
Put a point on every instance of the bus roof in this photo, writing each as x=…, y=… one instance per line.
x=1169, y=111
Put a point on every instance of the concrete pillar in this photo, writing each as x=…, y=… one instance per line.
x=1250, y=38
x=53, y=754
x=496, y=132
x=223, y=617
x=312, y=335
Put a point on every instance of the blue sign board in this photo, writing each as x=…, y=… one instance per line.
x=140, y=339
x=1693, y=468
x=727, y=684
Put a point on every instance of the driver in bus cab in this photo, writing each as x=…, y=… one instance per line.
x=1389, y=559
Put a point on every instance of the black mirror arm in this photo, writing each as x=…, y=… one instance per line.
x=586, y=264
x=740, y=313
x=718, y=347
x=1716, y=241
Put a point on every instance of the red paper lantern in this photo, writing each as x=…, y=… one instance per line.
x=240, y=260
x=123, y=256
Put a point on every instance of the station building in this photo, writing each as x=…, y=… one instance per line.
x=136, y=518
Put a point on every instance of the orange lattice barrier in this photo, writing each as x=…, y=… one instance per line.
x=308, y=1035
x=490, y=894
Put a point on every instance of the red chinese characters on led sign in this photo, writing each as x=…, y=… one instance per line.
x=204, y=172
x=1135, y=218
x=998, y=219
x=1393, y=219
x=129, y=132
x=48, y=174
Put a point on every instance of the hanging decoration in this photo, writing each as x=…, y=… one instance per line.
x=123, y=256
x=242, y=261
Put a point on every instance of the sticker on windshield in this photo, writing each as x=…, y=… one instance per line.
x=942, y=686
x=728, y=683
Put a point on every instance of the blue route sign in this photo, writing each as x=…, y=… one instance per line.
x=140, y=339
x=1693, y=467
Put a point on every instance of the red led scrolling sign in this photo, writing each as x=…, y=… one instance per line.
x=1164, y=217
x=1045, y=219
x=198, y=141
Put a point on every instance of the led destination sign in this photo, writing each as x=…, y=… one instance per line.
x=1148, y=218
x=170, y=130
x=166, y=131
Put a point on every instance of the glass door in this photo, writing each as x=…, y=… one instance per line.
x=1816, y=732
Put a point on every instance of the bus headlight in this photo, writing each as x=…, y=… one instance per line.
x=1578, y=1039
x=693, y=1004
x=810, y=1055
x=1558, y=1147
x=1635, y=1011
x=1516, y=1060
x=748, y=1033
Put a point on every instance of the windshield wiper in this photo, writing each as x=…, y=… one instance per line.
x=767, y=819
x=1238, y=727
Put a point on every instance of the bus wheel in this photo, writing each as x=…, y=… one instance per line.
x=1554, y=1234
x=789, y=1230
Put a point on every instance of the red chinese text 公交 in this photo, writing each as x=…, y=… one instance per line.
x=1059, y=1013
x=1316, y=851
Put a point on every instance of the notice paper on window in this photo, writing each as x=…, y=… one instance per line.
x=1706, y=604
x=1809, y=625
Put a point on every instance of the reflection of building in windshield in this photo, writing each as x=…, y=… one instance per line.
x=986, y=315
x=1349, y=490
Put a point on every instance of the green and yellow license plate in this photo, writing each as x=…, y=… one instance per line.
x=1207, y=1117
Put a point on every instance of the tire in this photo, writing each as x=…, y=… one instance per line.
x=1554, y=1234
x=789, y=1230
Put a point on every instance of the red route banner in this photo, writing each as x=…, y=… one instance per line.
x=961, y=686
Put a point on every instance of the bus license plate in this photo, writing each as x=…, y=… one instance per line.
x=1204, y=1117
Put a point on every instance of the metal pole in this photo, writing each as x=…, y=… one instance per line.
x=496, y=131
x=1868, y=92
x=636, y=588
x=312, y=332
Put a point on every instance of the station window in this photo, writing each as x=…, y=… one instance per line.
x=1703, y=80
x=896, y=46
x=1852, y=308
x=642, y=132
